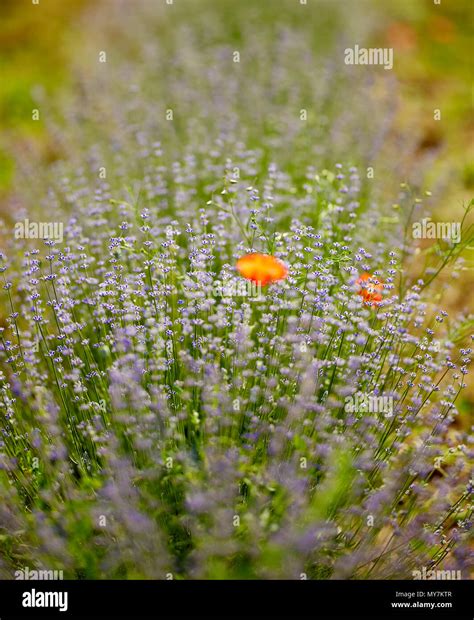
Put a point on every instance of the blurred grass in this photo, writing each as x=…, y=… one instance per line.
x=33, y=53
x=433, y=63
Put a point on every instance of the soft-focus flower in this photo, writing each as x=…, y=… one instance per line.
x=261, y=268
x=370, y=289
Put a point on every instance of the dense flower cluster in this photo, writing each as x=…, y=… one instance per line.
x=152, y=424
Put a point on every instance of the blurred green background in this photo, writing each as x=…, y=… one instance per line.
x=433, y=63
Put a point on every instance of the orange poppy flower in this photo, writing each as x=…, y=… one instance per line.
x=261, y=268
x=370, y=289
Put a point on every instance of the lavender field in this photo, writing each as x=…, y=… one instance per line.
x=166, y=413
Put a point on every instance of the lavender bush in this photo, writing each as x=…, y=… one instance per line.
x=155, y=425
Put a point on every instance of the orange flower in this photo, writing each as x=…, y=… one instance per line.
x=261, y=268
x=370, y=289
